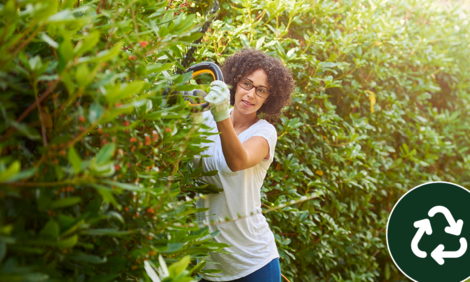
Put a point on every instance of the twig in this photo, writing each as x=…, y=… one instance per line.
x=41, y=118
x=31, y=107
x=285, y=277
x=100, y=6
x=31, y=25
x=81, y=135
x=5, y=31
x=26, y=42
x=135, y=24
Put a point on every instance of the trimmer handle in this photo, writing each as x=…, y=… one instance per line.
x=206, y=67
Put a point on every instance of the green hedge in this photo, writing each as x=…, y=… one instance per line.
x=96, y=179
x=382, y=105
x=92, y=181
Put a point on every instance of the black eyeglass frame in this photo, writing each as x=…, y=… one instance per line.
x=256, y=87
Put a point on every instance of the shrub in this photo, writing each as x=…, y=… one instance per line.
x=381, y=106
x=96, y=178
x=92, y=181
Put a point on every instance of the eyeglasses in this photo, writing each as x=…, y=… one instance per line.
x=261, y=91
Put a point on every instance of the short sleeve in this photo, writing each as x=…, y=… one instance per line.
x=268, y=132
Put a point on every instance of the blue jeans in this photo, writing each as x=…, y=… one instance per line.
x=271, y=272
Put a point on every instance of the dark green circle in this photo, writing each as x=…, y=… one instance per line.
x=414, y=206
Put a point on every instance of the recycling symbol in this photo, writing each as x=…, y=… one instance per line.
x=426, y=236
x=454, y=228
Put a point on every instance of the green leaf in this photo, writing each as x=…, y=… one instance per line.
x=50, y=230
x=260, y=42
x=49, y=40
x=74, y=159
x=88, y=43
x=106, y=193
x=172, y=247
x=23, y=175
x=41, y=12
x=96, y=110
x=9, y=10
x=163, y=32
x=48, y=77
x=10, y=172
x=67, y=81
x=81, y=257
x=116, y=215
x=186, y=24
x=157, y=68
x=107, y=55
x=65, y=202
x=132, y=88
x=124, y=186
x=187, y=87
x=210, y=173
x=28, y=131
x=178, y=267
x=68, y=243
x=196, y=173
x=105, y=154
x=65, y=53
x=82, y=75
x=62, y=17
x=191, y=38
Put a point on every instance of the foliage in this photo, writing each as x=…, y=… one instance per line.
x=382, y=101
x=91, y=181
x=96, y=180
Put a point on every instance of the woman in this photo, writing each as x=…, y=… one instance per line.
x=242, y=153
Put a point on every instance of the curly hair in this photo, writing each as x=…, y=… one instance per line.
x=280, y=81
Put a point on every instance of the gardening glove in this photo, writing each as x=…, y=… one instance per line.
x=219, y=100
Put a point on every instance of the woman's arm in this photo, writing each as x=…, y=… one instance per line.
x=238, y=155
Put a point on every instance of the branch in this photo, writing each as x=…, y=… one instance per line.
x=31, y=107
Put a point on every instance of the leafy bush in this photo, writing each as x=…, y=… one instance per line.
x=91, y=174
x=96, y=178
x=381, y=106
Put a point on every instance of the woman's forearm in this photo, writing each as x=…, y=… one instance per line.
x=235, y=153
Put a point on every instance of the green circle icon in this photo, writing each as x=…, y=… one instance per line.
x=428, y=233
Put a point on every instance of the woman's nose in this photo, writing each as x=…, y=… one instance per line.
x=251, y=92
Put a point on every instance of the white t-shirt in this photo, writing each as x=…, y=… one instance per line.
x=252, y=242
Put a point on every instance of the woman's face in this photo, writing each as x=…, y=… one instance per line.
x=247, y=101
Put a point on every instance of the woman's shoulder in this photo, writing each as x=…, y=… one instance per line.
x=265, y=124
x=265, y=128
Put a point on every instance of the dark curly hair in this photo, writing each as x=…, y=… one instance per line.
x=280, y=81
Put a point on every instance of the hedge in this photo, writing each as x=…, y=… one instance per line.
x=94, y=183
x=382, y=105
x=96, y=174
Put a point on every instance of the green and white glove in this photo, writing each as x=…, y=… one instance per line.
x=219, y=100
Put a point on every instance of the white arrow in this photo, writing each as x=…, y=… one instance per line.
x=454, y=228
x=424, y=225
x=438, y=254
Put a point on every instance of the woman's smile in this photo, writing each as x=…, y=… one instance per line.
x=247, y=104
